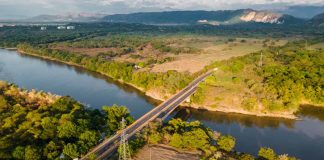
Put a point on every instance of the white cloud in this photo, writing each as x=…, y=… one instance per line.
x=34, y=7
x=216, y=4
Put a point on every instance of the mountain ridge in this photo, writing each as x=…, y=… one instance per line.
x=317, y=20
x=222, y=17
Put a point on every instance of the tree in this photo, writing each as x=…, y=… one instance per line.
x=67, y=130
x=114, y=115
x=267, y=153
x=71, y=150
x=87, y=140
x=19, y=152
x=52, y=150
x=32, y=153
x=226, y=143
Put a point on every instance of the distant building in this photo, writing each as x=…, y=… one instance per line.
x=203, y=21
x=43, y=28
x=61, y=27
x=70, y=27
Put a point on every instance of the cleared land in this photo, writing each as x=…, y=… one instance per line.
x=163, y=53
x=163, y=152
x=317, y=46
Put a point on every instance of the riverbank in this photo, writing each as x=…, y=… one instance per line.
x=156, y=95
x=10, y=49
x=241, y=111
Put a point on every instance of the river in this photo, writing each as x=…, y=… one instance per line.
x=303, y=138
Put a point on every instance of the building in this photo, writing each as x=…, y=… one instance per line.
x=70, y=27
x=61, y=27
x=43, y=28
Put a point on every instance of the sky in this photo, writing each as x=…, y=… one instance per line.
x=28, y=8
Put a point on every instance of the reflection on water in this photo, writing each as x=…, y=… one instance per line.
x=81, y=71
x=243, y=120
x=303, y=138
x=87, y=87
x=311, y=112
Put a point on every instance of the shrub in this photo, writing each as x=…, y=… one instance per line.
x=267, y=153
x=155, y=138
x=249, y=103
x=246, y=157
x=226, y=143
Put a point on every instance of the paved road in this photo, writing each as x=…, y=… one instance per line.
x=109, y=145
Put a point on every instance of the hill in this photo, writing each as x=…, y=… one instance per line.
x=224, y=17
x=318, y=20
x=68, y=17
x=307, y=11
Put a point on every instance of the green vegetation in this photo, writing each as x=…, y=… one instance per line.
x=37, y=125
x=289, y=76
x=193, y=136
x=12, y=36
x=170, y=82
x=227, y=143
x=269, y=154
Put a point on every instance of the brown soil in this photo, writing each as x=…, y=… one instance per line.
x=164, y=152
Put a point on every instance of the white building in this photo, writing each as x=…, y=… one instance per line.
x=70, y=27
x=61, y=27
x=43, y=28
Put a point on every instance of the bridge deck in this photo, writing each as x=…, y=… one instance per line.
x=110, y=144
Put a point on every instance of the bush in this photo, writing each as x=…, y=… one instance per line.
x=267, y=153
x=249, y=104
x=246, y=157
x=155, y=138
x=226, y=143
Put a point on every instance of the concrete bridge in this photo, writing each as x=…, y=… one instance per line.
x=110, y=144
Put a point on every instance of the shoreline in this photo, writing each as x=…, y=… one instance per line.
x=156, y=96
x=238, y=111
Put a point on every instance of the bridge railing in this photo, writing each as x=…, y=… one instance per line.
x=173, y=99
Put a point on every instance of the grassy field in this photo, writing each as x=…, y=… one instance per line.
x=169, y=52
x=214, y=49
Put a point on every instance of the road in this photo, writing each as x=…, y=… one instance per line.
x=105, y=148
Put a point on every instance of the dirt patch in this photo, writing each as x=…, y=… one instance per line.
x=164, y=152
x=214, y=51
x=317, y=46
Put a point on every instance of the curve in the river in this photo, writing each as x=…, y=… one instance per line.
x=304, y=139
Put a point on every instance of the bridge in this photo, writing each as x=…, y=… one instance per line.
x=109, y=145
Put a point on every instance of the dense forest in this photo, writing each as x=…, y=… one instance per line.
x=37, y=125
x=279, y=81
x=12, y=36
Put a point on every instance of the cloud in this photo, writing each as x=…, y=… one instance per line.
x=34, y=7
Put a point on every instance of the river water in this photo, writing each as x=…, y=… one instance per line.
x=303, y=138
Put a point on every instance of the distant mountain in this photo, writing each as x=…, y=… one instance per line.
x=317, y=20
x=226, y=17
x=69, y=17
x=305, y=12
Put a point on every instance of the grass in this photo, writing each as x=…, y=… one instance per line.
x=211, y=49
